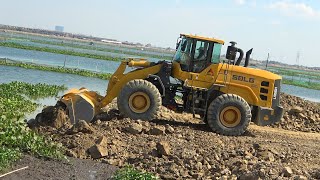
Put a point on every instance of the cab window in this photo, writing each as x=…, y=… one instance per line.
x=216, y=53
x=201, y=51
x=183, y=53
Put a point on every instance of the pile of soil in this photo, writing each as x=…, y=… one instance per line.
x=300, y=114
x=179, y=146
x=51, y=116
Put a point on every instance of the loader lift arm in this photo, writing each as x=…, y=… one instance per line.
x=84, y=104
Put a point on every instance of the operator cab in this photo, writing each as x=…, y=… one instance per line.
x=195, y=53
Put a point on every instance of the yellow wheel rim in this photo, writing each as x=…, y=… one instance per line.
x=230, y=116
x=139, y=102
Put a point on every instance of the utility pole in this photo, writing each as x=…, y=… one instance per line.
x=297, y=58
x=267, y=60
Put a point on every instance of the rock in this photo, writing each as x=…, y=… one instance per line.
x=197, y=175
x=98, y=122
x=169, y=129
x=144, y=123
x=296, y=109
x=97, y=151
x=301, y=115
x=316, y=174
x=115, y=162
x=198, y=166
x=102, y=141
x=287, y=172
x=167, y=176
x=155, y=153
x=243, y=168
x=300, y=177
x=248, y=176
x=266, y=155
x=134, y=128
x=81, y=126
x=233, y=177
x=225, y=172
x=183, y=173
x=163, y=148
x=310, y=113
x=117, y=142
x=157, y=130
x=223, y=177
x=70, y=153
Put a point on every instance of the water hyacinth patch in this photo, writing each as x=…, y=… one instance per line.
x=15, y=137
x=57, y=69
x=59, y=51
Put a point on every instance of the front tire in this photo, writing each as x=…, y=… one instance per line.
x=139, y=99
x=229, y=114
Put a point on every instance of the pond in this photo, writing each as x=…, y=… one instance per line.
x=59, y=60
x=53, y=59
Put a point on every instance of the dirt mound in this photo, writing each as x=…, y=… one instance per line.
x=51, y=116
x=179, y=146
x=300, y=114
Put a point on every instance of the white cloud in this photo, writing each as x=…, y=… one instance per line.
x=295, y=9
x=240, y=2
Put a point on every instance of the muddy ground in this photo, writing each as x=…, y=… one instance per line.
x=73, y=168
x=177, y=146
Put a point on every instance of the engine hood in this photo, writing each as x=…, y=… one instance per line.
x=255, y=72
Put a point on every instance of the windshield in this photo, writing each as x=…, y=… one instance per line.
x=183, y=52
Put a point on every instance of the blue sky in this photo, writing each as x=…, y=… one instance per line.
x=281, y=27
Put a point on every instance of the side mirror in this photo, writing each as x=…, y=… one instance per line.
x=178, y=43
x=183, y=46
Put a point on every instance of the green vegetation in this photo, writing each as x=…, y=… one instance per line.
x=15, y=137
x=309, y=85
x=79, y=46
x=65, y=44
x=297, y=73
x=130, y=173
x=59, y=51
x=58, y=69
x=307, y=76
x=34, y=38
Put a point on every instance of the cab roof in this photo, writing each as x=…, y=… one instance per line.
x=203, y=38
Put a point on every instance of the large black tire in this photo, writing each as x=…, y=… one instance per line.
x=229, y=114
x=139, y=99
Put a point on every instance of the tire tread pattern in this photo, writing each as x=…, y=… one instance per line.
x=214, y=112
x=135, y=86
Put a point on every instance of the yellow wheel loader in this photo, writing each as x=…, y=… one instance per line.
x=226, y=94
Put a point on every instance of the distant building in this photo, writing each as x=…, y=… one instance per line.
x=59, y=28
x=111, y=41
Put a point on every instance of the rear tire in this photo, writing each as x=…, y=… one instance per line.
x=229, y=114
x=139, y=99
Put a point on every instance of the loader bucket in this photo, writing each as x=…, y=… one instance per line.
x=81, y=104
